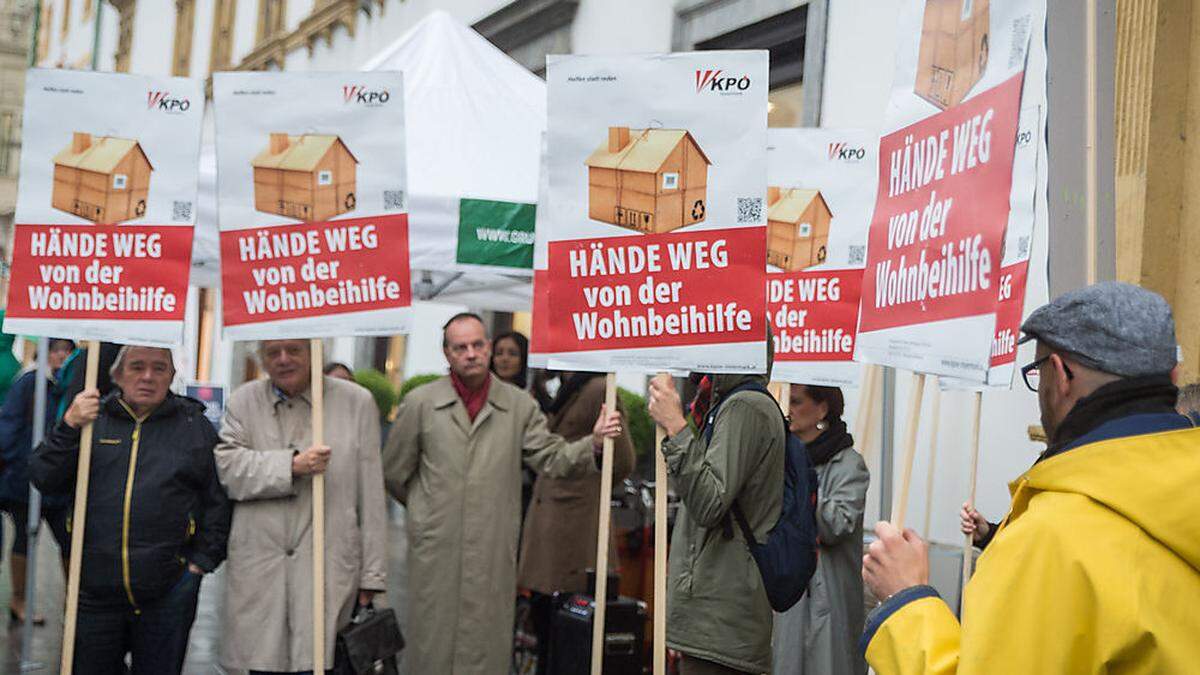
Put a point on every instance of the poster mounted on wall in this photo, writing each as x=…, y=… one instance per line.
x=657, y=214
x=930, y=288
x=817, y=222
x=312, y=204
x=105, y=207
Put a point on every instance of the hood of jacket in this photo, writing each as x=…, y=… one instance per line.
x=726, y=382
x=1140, y=477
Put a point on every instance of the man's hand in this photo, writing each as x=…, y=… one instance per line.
x=972, y=523
x=195, y=569
x=664, y=405
x=365, y=597
x=895, y=561
x=608, y=425
x=84, y=409
x=311, y=461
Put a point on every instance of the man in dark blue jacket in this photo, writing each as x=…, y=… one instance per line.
x=157, y=517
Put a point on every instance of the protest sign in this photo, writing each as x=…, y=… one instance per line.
x=657, y=249
x=213, y=398
x=312, y=204
x=945, y=173
x=817, y=223
x=103, y=236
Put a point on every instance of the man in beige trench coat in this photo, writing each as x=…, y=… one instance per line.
x=266, y=461
x=454, y=459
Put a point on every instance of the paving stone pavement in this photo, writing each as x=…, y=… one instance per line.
x=206, y=632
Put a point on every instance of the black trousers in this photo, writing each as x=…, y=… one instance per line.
x=156, y=635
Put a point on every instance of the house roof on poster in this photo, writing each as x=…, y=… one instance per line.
x=645, y=152
x=102, y=154
x=474, y=120
x=792, y=204
x=301, y=154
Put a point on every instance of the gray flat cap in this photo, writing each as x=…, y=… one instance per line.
x=1114, y=327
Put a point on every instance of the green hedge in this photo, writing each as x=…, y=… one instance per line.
x=381, y=389
x=641, y=426
x=416, y=381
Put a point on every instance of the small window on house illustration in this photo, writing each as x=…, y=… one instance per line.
x=325, y=178
x=670, y=181
x=119, y=180
x=805, y=230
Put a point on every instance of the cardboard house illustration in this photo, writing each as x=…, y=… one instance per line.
x=310, y=177
x=649, y=180
x=101, y=178
x=797, y=228
x=954, y=50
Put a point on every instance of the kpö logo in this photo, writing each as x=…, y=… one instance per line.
x=841, y=151
x=161, y=100
x=356, y=93
x=715, y=80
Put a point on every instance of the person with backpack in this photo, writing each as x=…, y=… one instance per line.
x=727, y=459
x=819, y=636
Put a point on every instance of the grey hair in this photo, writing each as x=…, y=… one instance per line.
x=120, y=360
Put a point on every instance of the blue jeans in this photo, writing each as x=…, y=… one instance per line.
x=156, y=637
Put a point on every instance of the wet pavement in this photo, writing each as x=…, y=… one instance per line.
x=206, y=632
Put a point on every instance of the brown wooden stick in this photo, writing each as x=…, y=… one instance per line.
x=660, y=554
x=79, y=518
x=317, y=388
x=900, y=509
x=933, y=450
x=784, y=396
x=606, y=479
x=968, y=543
x=867, y=407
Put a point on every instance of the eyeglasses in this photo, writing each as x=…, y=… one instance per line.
x=1032, y=375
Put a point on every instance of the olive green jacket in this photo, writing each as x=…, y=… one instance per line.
x=717, y=609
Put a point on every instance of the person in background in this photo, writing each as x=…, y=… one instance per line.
x=266, y=460
x=157, y=518
x=510, y=358
x=1189, y=402
x=339, y=370
x=1096, y=568
x=558, y=544
x=453, y=459
x=819, y=635
x=16, y=445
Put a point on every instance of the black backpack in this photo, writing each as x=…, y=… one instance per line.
x=788, y=558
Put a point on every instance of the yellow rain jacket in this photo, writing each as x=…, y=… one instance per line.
x=1096, y=569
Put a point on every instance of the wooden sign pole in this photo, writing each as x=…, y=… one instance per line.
x=660, y=554
x=900, y=508
x=317, y=387
x=784, y=397
x=79, y=518
x=968, y=543
x=867, y=406
x=606, y=479
x=933, y=450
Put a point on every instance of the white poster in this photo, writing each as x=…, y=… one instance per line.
x=105, y=207
x=312, y=204
x=657, y=256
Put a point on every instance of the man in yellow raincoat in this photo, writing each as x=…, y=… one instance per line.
x=1096, y=569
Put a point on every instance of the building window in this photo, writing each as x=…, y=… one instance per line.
x=528, y=30
x=272, y=18
x=125, y=12
x=185, y=24
x=221, y=55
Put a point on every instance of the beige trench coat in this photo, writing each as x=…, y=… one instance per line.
x=267, y=622
x=461, y=483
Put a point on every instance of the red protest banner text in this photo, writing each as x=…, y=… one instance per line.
x=540, y=321
x=658, y=290
x=814, y=314
x=135, y=272
x=1008, y=313
x=942, y=207
x=315, y=269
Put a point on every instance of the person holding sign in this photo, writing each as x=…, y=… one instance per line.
x=453, y=458
x=157, y=518
x=266, y=461
x=1095, y=567
x=718, y=612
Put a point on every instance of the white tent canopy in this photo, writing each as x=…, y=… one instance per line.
x=474, y=119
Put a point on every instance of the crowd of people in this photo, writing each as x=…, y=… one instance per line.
x=1095, y=568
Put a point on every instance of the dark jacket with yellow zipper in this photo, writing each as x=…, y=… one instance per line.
x=154, y=501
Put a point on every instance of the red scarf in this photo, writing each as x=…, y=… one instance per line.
x=473, y=400
x=702, y=401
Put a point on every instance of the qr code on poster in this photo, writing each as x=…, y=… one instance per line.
x=858, y=255
x=393, y=200
x=181, y=212
x=749, y=209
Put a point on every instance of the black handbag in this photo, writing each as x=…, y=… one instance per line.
x=369, y=643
